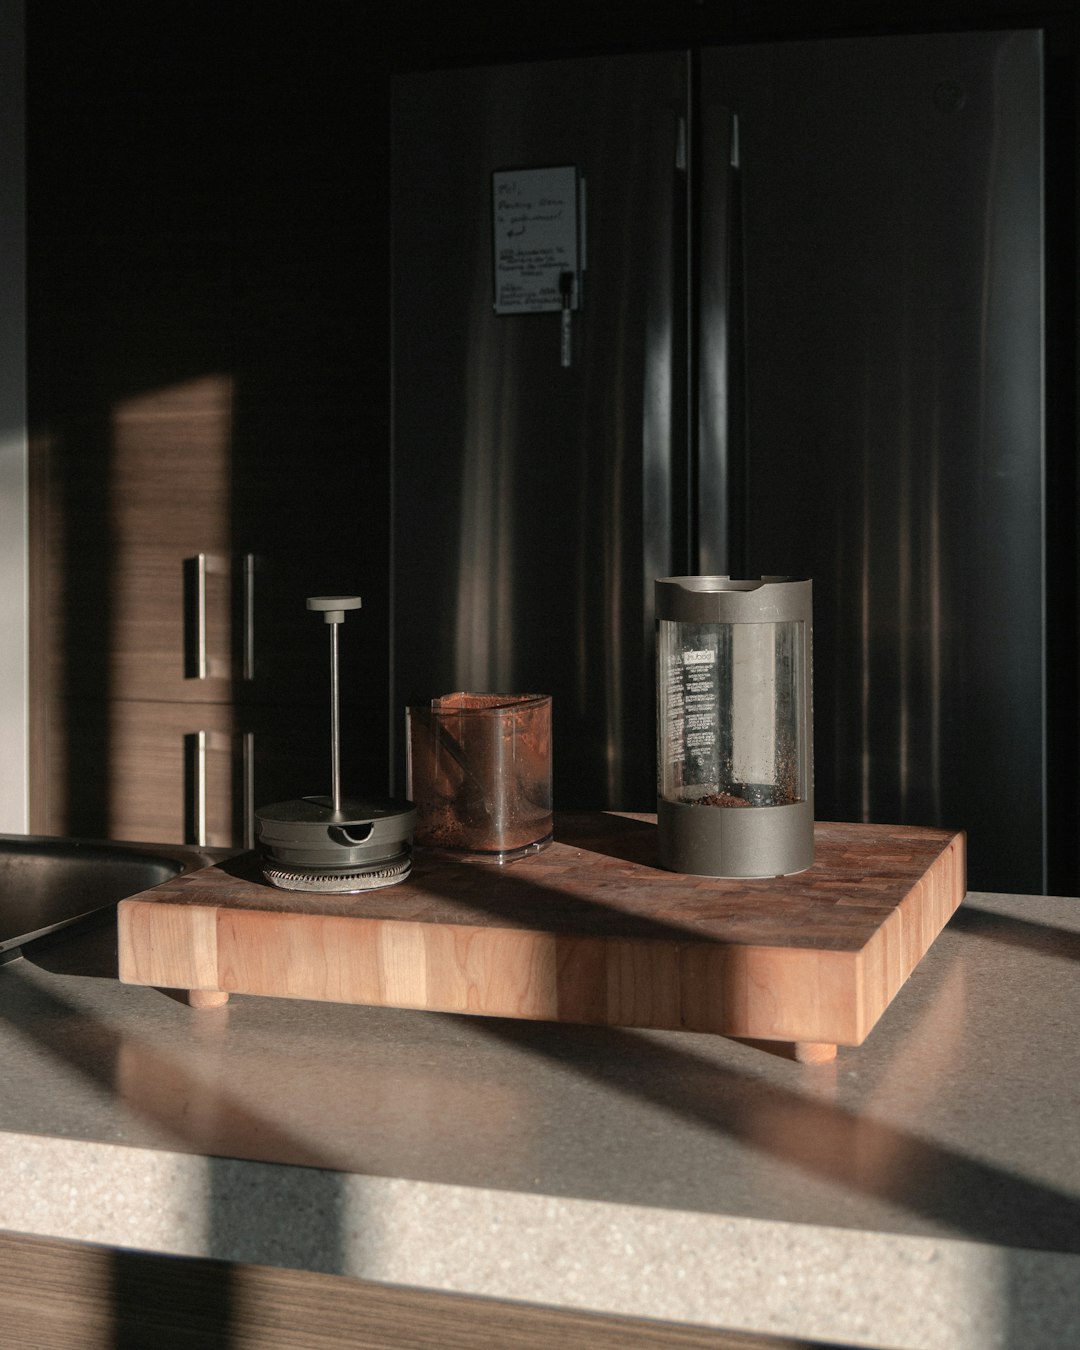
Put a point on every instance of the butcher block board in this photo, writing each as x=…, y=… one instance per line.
x=587, y=931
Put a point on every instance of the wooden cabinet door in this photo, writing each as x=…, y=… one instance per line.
x=125, y=499
x=179, y=679
x=150, y=772
x=168, y=629
x=175, y=773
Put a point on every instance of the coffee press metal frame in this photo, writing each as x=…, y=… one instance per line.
x=333, y=844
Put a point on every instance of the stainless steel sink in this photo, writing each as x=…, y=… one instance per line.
x=48, y=883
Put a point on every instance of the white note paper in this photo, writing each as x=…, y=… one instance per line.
x=536, y=238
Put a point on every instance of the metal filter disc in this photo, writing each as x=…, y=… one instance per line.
x=338, y=883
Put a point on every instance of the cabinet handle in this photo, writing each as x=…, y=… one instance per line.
x=248, y=664
x=197, y=664
x=195, y=617
x=195, y=788
x=247, y=753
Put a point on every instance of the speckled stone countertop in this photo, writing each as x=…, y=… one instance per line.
x=921, y=1191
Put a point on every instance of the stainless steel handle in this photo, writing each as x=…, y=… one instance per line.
x=195, y=788
x=566, y=292
x=247, y=770
x=248, y=658
x=663, y=422
x=720, y=128
x=198, y=665
x=195, y=617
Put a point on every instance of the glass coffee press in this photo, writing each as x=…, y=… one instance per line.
x=734, y=726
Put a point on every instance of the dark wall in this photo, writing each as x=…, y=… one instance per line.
x=206, y=196
x=489, y=30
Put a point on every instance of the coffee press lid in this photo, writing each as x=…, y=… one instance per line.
x=722, y=599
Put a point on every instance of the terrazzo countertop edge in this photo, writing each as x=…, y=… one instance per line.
x=859, y=1288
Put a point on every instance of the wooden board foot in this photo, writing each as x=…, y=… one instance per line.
x=207, y=998
x=814, y=1052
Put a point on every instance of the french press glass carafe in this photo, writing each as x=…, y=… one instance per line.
x=734, y=726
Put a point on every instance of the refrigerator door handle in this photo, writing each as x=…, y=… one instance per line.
x=720, y=127
x=566, y=292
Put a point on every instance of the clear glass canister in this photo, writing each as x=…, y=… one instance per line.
x=734, y=733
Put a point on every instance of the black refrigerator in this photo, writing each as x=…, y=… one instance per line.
x=760, y=309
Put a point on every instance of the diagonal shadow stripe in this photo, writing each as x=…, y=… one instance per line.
x=864, y=1156
x=101, y=1053
x=1044, y=938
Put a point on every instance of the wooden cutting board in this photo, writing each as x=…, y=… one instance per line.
x=588, y=931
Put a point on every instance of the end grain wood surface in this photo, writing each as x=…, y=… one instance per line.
x=588, y=931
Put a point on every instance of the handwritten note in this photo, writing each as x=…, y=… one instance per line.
x=537, y=239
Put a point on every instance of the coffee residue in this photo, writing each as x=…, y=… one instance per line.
x=718, y=799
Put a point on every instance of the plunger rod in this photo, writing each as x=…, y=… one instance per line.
x=332, y=608
x=335, y=723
